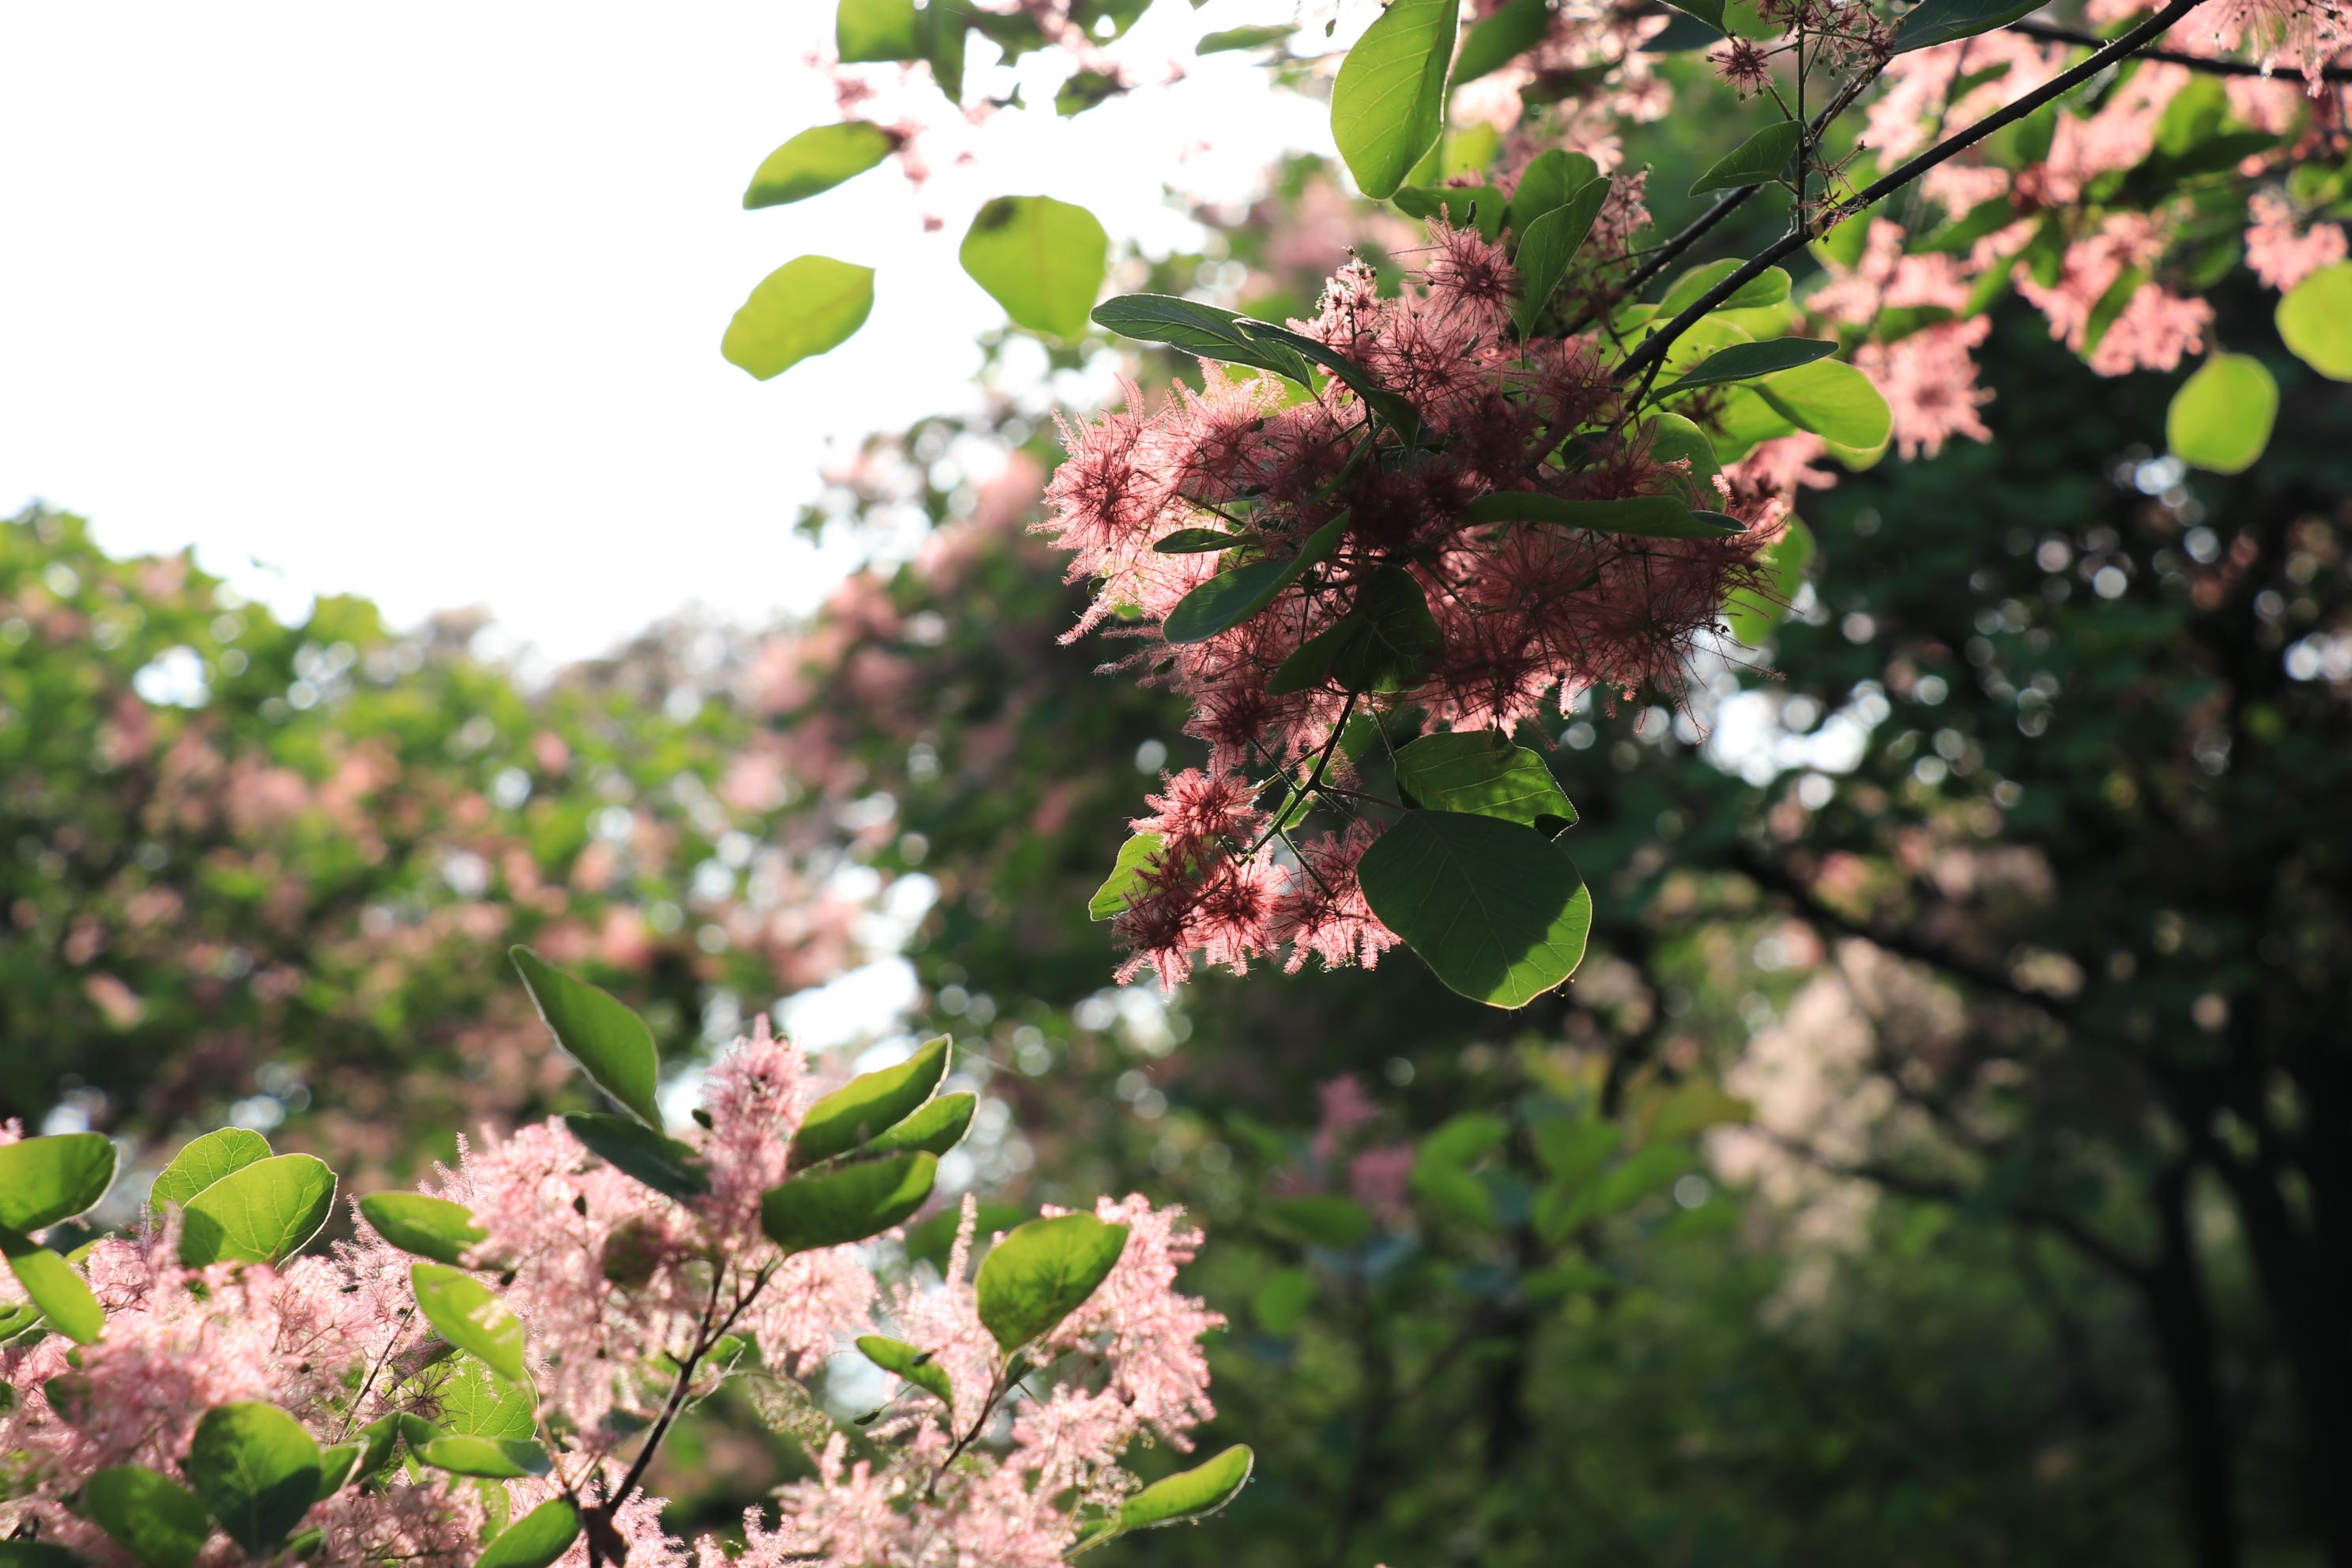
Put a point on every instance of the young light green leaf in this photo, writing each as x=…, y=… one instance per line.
x=260, y=1213
x=868, y=1106
x=2314, y=319
x=1394, y=411
x=1227, y=40
x=1553, y=176
x=1833, y=400
x=1548, y=245
x=1744, y=362
x=817, y=160
x=1674, y=438
x=1228, y=599
x=833, y=1208
x=463, y=1311
x=1389, y=102
x=336, y=1465
x=597, y=1029
x=203, y=1161
x=1494, y=908
x=1191, y=1494
x=1042, y=1272
x=45, y=1180
x=2221, y=418
x=469, y=1400
x=493, y=1458
x=257, y=1469
x=1042, y=259
x=1763, y=157
x=1935, y=21
x=427, y=1227
x=867, y=31
x=1769, y=287
x=1137, y=856
x=52, y=1286
x=806, y=307
x=935, y=1129
x=1197, y=328
x=916, y=1365
x=151, y=1516
x=1654, y=517
x=1478, y=772
x=659, y=1160
x=536, y=1539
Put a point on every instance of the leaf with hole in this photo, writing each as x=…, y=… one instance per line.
x=1042, y=259
x=1388, y=103
x=464, y=1311
x=1044, y=1271
x=203, y=1161
x=2221, y=418
x=809, y=306
x=428, y=1227
x=817, y=160
x=1228, y=599
x=1763, y=157
x=1494, y=908
x=1139, y=855
x=868, y=1105
x=833, y=1208
x=257, y=1469
x=45, y=1180
x=1478, y=772
x=600, y=1033
x=261, y=1214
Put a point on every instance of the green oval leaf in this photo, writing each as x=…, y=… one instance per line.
x=867, y=31
x=599, y=1031
x=1501, y=38
x=914, y=1364
x=833, y=1208
x=1763, y=157
x=1494, y=908
x=255, y=1470
x=45, y=1180
x=806, y=307
x=259, y=1214
x=1228, y=599
x=1477, y=771
x=2314, y=319
x=1745, y=361
x=1042, y=259
x=469, y=1400
x=53, y=1286
x=868, y=1106
x=817, y=160
x=151, y=1516
x=1674, y=438
x=1769, y=287
x=493, y=1458
x=2221, y=418
x=204, y=1160
x=1227, y=40
x=1196, y=328
x=1549, y=179
x=335, y=1466
x=463, y=1311
x=1654, y=517
x=1137, y=856
x=1833, y=400
x=1042, y=1272
x=1549, y=243
x=1935, y=21
x=427, y=1227
x=1189, y=1494
x=1389, y=102
x=659, y=1160
x=935, y=1129
x=536, y=1539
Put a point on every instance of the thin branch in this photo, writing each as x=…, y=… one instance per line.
x=2051, y=33
x=1654, y=348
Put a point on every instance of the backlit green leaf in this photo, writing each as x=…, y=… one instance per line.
x=1549, y=179
x=257, y=1469
x=1189, y=1494
x=1228, y=599
x=1655, y=517
x=260, y=1213
x=916, y=1365
x=871, y=30
x=1831, y=399
x=54, y=1287
x=151, y=1516
x=817, y=160
x=833, y=1208
x=1389, y=102
x=1460, y=205
x=1477, y=771
x=204, y=1160
x=1501, y=38
x=809, y=305
x=868, y=1105
x=1135, y=857
x=1042, y=259
x=1494, y=908
x=427, y=1227
x=494, y=1458
x=1763, y=157
x=536, y=1539
x=2314, y=319
x=1197, y=328
x=463, y=1311
x=1744, y=362
x=1042, y=1272
x=2221, y=418
x=935, y=1129
x=1769, y=287
x=1752, y=614
x=597, y=1028
x=45, y=1180
x=659, y=1160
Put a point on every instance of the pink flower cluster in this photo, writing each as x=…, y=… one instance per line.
x=611, y=1281
x=1526, y=616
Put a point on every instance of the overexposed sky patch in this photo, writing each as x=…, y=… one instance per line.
x=424, y=302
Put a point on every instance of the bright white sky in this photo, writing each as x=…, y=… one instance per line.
x=424, y=302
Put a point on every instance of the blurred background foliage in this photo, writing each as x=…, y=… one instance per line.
x=1939, y=1158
